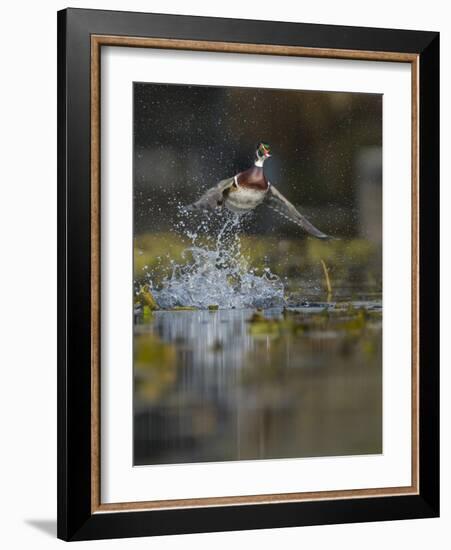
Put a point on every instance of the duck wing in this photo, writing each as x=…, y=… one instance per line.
x=276, y=201
x=212, y=198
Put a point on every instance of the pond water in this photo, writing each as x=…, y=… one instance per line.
x=245, y=384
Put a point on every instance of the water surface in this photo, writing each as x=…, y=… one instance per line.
x=215, y=386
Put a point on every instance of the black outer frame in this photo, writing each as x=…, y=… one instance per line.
x=75, y=520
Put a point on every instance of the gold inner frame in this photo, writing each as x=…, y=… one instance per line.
x=97, y=41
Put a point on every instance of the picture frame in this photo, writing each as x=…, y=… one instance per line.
x=81, y=36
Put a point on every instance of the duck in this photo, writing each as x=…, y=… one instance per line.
x=249, y=189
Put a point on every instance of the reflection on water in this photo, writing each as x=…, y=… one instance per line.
x=213, y=386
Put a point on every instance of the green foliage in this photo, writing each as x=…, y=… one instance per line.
x=350, y=263
x=146, y=299
x=342, y=320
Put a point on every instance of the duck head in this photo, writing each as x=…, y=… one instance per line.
x=262, y=153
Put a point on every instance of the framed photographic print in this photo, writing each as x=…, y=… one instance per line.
x=248, y=274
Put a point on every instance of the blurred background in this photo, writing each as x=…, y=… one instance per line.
x=303, y=380
x=327, y=160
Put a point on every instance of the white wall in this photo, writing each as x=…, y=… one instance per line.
x=28, y=270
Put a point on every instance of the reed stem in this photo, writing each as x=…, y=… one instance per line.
x=327, y=279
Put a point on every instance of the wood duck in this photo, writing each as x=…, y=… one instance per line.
x=246, y=190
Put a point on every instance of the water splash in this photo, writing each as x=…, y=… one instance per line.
x=216, y=273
